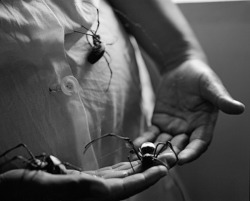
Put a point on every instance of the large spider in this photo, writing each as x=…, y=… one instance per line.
x=148, y=153
x=44, y=162
x=98, y=47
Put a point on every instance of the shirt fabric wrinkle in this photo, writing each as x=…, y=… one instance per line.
x=39, y=53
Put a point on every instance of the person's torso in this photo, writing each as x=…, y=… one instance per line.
x=52, y=98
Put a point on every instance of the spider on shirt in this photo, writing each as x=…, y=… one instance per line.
x=98, y=47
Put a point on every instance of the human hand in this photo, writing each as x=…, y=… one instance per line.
x=187, y=107
x=110, y=183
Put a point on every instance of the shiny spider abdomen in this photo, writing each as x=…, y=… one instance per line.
x=96, y=53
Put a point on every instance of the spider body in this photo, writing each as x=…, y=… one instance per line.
x=148, y=153
x=98, y=47
x=47, y=163
x=97, y=51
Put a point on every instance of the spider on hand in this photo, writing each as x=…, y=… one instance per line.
x=44, y=162
x=148, y=152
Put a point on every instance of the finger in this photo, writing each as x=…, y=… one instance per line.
x=119, y=170
x=163, y=137
x=119, y=166
x=179, y=142
x=193, y=150
x=27, y=185
x=93, y=172
x=170, y=157
x=114, y=174
x=121, y=173
x=126, y=165
x=214, y=91
x=129, y=186
x=117, y=173
x=230, y=106
x=71, y=171
x=147, y=136
x=198, y=143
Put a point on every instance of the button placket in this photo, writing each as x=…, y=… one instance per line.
x=69, y=85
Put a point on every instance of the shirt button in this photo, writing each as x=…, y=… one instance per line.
x=69, y=85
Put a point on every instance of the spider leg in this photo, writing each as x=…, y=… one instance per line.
x=111, y=72
x=71, y=166
x=42, y=159
x=160, y=143
x=98, y=20
x=172, y=149
x=18, y=146
x=83, y=33
x=131, y=164
x=126, y=139
x=166, y=144
x=92, y=35
x=104, y=136
x=96, y=139
x=27, y=161
x=89, y=41
x=108, y=54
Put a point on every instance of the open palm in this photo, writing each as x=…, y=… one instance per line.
x=186, y=109
x=115, y=182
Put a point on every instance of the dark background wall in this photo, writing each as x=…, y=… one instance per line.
x=222, y=173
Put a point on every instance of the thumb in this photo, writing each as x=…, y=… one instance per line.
x=150, y=135
x=230, y=106
x=214, y=91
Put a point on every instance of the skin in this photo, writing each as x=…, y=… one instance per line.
x=190, y=94
x=188, y=100
x=186, y=109
x=111, y=183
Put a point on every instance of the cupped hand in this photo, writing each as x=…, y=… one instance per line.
x=111, y=183
x=186, y=109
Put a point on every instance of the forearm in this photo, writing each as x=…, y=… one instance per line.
x=160, y=29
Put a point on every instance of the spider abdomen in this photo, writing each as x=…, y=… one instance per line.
x=96, y=53
x=147, y=160
x=147, y=148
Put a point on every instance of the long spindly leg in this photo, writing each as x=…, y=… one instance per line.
x=72, y=166
x=89, y=41
x=18, y=146
x=98, y=20
x=41, y=160
x=165, y=145
x=111, y=72
x=128, y=142
x=27, y=161
x=131, y=164
x=172, y=149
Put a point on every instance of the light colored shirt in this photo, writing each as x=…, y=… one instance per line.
x=40, y=52
x=55, y=101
